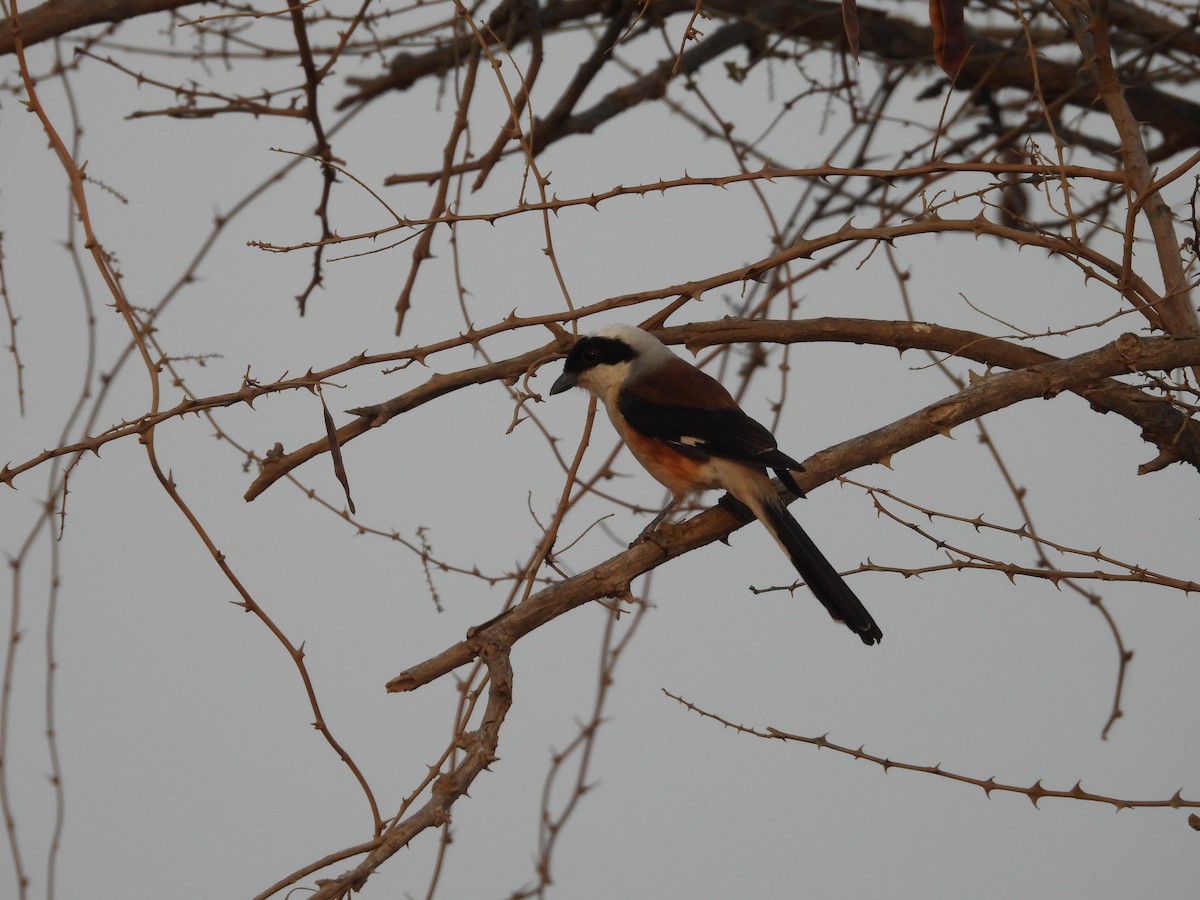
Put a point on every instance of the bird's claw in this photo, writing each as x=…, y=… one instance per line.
x=735, y=506
x=653, y=532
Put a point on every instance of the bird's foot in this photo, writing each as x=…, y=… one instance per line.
x=735, y=506
x=656, y=531
x=658, y=524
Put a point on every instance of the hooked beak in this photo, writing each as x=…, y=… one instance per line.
x=564, y=382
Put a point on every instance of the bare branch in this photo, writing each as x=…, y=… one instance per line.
x=1035, y=792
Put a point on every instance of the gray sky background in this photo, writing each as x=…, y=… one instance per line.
x=190, y=765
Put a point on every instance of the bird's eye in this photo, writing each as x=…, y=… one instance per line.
x=591, y=357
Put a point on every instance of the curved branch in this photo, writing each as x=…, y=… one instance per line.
x=882, y=35
x=989, y=393
x=58, y=17
x=1034, y=792
x=480, y=746
x=1176, y=437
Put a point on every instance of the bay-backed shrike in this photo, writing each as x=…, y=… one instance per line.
x=690, y=434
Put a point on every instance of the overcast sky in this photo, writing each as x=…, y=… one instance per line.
x=190, y=765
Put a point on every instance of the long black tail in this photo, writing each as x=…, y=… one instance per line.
x=820, y=576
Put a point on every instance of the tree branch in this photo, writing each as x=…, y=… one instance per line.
x=612, y=577
x=882, y=35
x=58, y=17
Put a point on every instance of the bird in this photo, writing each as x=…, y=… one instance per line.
x=689, y=433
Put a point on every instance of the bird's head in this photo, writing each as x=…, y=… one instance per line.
x=609, y=358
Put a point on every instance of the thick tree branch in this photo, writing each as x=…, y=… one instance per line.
x=882, y=35
x=1176, y=437
x=1163, y=425
x=987, y=394
x=59, y=17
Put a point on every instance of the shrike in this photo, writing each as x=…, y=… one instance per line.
x=690, y=434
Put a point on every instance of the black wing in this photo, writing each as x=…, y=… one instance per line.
x=727, y=433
